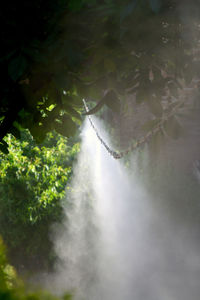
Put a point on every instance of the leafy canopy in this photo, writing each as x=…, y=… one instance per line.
x=55, y=53
x=32, y=186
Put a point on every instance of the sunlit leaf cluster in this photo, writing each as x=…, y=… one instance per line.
x=32, y=185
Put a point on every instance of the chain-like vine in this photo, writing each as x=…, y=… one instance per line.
x=144, y=139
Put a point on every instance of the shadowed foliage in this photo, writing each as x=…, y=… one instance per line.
x=55, y=53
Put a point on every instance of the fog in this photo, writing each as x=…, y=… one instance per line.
x=131, y=229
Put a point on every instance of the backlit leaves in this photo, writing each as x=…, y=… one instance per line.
x=65, y=126
x=32, y=186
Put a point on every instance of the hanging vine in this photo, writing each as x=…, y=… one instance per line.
x=142, y=140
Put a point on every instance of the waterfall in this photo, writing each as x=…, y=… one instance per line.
x=120, y=240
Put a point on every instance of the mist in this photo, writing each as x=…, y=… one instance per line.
x=131, y=230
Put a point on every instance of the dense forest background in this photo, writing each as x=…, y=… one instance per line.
x=130, y=61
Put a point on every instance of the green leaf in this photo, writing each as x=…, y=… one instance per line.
x=38, y=132
x=51, y=107
x=17, y=67
x=73, y=112
x=66, y=127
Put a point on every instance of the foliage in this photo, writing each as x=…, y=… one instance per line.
x=55, y=53
x=32, y=185
x=7, y=272
x=13, y=288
